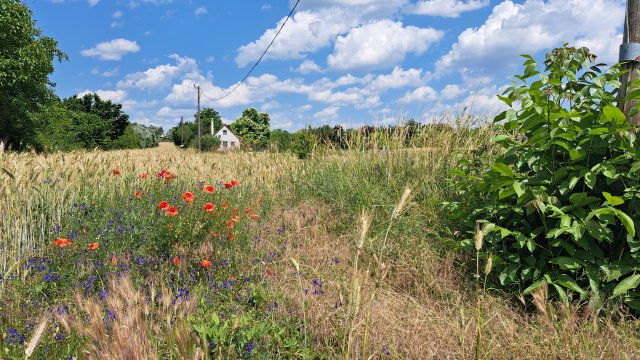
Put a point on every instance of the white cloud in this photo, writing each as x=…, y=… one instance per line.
x=116, y=96
x=168, y=112
x=306, y=32
x=450, y=92
x=329, y=113
x=421, y=95
x=210, y=59
x=513, y=29
x=93, y=2
x=117, y=24
x=107, y=73
x=308, y=66
x=161, y=76
x=112, y=50
x=398, y=78
x=380, y=44
x=117, y=14
x=445, y=8
x=200, y=11
x=265, y=7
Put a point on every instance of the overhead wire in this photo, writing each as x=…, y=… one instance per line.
x=259, y=59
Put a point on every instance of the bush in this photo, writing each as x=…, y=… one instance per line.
x=128, y=140
x=209, y=143
x=560, y=205
x=302, y=143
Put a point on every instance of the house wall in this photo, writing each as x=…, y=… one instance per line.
x=231, y=140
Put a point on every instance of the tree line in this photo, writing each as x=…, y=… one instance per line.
x=33, y=117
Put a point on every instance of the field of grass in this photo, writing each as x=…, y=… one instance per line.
x=345, y=255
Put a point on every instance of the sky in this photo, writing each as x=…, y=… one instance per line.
x=336, y=62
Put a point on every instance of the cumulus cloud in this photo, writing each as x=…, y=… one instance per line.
x=161, y=76
x=328, y=113
x=112, y=50
x=93, y=2
x=495, y=46
x=422, y=94
x=306, y=32
x=116, y=96
x=445, y=8
x=200, y=11
x=308, y=66
x=380, y=44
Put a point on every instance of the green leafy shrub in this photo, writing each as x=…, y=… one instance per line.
x=561, y=204
x=302, y=143
x=210, y=143
x=128, y=140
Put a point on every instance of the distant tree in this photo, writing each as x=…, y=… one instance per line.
x=184, y=133
x=302, y=143
x=111, y=113
x=253, y=128
x=26, y=60
x=280, y=140
x=207, y=115
x=149, y=135
x=128, y=140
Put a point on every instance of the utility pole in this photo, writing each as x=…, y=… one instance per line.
x=182, y=131
x=198, y=115
x=630, y=52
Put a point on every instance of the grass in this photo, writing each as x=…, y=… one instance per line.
x=342, y=261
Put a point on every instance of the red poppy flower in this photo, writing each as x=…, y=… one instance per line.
x=188, y=197
x=210, y=189
x=93, y=246
x=137, y=194
x=114, y=260
x=168, y=175
x=230, y=224
x=225, y=205
x=234, y=183
x=170, y=226
x=227, y=185
x=143, y=175
x=246, y=211
x=62, y=242
x=176, y=261
x=235, y=218
x=230, y=236
x=172, y=211
x=209, y=207
x=115, y=172
x=254, y=216
x=205, y=263
x=163, y=205
x=235, y=211
x=213, y=233
x=268, y=273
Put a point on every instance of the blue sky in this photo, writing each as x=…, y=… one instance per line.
x=346, y=62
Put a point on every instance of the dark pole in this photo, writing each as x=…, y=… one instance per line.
x=630, y=51
x=199, y=146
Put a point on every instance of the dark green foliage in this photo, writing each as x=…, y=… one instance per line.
x=302, y=143
x=207, y=115
x=561, y=204
x=184, y=133
x=26, y=60
x=252, y=128
x=114, y=120
x=280, y=140
x=128, y=140
x=209, y=143
x=56, y=128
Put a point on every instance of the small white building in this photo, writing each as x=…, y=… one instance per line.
x=228, y=140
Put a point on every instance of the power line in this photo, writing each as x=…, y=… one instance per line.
x=259, y=59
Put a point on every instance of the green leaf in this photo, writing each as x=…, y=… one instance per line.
x=590, y=179
x=613, y=200
x=517, y=187
x=566, y=263
x=569, y=283
x=533, y=287
x=626, y=221
x=613, y=114
x=625, y=285
x=503, y=169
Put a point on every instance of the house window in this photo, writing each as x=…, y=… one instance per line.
x=224, y=144
x=233, y=143
x=219, y=136
x=224, y=132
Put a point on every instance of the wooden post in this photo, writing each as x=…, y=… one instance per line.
x=631, y=34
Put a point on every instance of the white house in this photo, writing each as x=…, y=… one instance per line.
x=228, y=140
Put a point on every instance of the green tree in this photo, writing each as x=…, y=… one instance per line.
x=207, y=115
x=253, y=127
x=302, y=143
x=26, y=60
x=280, y=140
x=184, y=134
x=128, y=140
x=113, y=118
